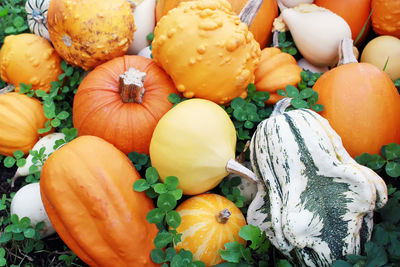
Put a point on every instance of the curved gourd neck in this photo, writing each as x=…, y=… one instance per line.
x=281, y=106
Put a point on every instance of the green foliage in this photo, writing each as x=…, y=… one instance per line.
x=12, y=18
x=68, y=258
x=175, y=99
x=18, y=159
x=286, y=43
x=139, y=160
x=229, y=188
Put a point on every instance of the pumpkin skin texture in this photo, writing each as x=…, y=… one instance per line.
x=212, y=228
x=386, y=17
x=30, y=59
x=88, y=33
x=355, y=13
x=276, y=70
x=99, y=109
x=86, y=188
x=20, y=119
x=211, y=55
x=260, y=27
x=362, y=105
x=194, y=141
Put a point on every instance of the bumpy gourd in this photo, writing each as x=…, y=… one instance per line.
x=36, y=12
x=30, y=59
x=315, y=202
x=385, y=17
x=205, y=48
x=88, y=33
x=20, y=119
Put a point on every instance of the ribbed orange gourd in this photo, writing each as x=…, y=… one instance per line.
x=386, y=17
x=208, y=222
x=205, y=48
x=30, y=59
x=276, y=70
x=87, y=191
x=88, y=33
x=361, y=104
x=260, y=27
x=121, y=101
x=20, y=119
x=355, y=13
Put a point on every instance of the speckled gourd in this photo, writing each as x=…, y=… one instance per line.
x=206, y=49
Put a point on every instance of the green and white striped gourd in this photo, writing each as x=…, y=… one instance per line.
x=314, y=201
x=36, y=11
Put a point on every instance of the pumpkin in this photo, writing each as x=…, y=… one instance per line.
x=20, y=119
x=385, y=17
x=87, y=191
x=355, y=13
x=210, y=41
x=315, y=202
x=193, y=141
x=208, y=222
x=260, y=27
x=88, y=33
x=361, y=104
x=30, y=59
x=276, y=70
x=384, y=52
x=121, y=101
x=36, y=12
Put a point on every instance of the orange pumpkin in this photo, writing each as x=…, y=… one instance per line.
x=208, y=222
x=260, y=27
x=361, y=104
x=30, y=59
x=88, y=33
x=354, y=12
x=87, y=191
x=123, y=113
x=276, y=70
x=20, y=119
x=386, y=17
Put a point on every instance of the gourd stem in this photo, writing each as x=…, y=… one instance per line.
x=235, y=167
x=275, y=39
x=249, y=11
x=346, y=53
x=281, y=106
x=223, y=216
x=131, y=86
x=281, y=5
x=14, y=178
x=7, y=89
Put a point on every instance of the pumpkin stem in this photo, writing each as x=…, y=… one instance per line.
x=235, y=167
x=7, y=89
x=223, y=216
x=131, y=86
x=346, y=53
x=281, y=106
x=275, y=39
x=249, y=11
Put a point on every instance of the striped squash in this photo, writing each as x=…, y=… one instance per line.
x=208, y=222
x=36, y=11
x=315, y=203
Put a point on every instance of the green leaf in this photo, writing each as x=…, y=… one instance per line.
x=21, y=162
x=157, y=255
x=284, y=263
x=251, y=233
x=232, y=252
x=169, y=253
x=3, y=261
x=2, y=252
x=173, y=218
x=63, y=115
x=341, y=263
x=151, y=175
x=292, y=91
x=186, y=255
x=376, y=162
x=299, y=103
x=174, y=98
x=376, y=255
x=55, y=122
x=177, y=261
x=18, y=21
x=18, y=154
x=162, y=239
x=392, y=151
x=166, y=202
x=363, y=159
x=281, y=92
x=306, y=93
x=9, y=162
x=177, y=193
x=5, y=237
x=141, y=185
x=171, y=182
x=24, y=223
x=155, y=215
x=160, y=188
x=29, y=233
x=238, y=103
x=150, y=193
x=393, y=169
x=318, y=107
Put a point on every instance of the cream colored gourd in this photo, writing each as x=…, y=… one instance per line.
x=36, y=12
x=145, y=52
x=384, y=49
x=293, y=3
x=316, y=31
x=305, y=65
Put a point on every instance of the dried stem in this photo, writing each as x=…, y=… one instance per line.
x=346, y=53
x=235, y=167
x=223, y=216
x=250, y=10
x=131, y=86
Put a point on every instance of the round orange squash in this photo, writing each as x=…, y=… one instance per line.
x=87, y=191
x=208, y=222
x=386, y=17
x=88, y=33
x=355, y=13
x=361, y=104
x=20, y=119
x=116, y=109
x=260, y=27
x=30, y=59
x=276, y=70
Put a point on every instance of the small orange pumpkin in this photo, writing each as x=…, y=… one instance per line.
x=87, y=191
x=125, y=114
x=276, y=70
x=386, y=17
x=361, y=104
x=20, y=119
x=208, y=222
x=30, y=59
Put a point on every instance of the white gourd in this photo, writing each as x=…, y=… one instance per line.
x=293, y=3
x=145, y=52
x=316, y=202
x=36, y=11
x=305, y=65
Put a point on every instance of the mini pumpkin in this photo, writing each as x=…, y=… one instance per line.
x=88, y=33
x=36, y=12
x=20, y=119
x=385, y=17
x=30, y=59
